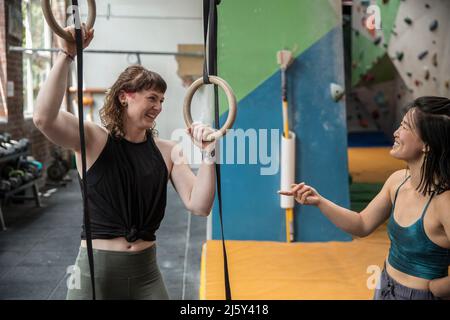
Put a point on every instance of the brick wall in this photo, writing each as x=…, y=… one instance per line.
x=2, y=60
x=17, y=125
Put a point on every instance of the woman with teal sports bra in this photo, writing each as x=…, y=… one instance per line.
x=416, y=203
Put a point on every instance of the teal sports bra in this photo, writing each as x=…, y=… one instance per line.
x=412, y=252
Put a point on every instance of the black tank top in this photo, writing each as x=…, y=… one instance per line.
x=127, y=188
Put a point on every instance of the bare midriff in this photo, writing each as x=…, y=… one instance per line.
x=406, y=279
x=119, y=244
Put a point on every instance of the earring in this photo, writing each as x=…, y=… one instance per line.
x=125, y=104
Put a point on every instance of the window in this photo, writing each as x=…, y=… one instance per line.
x=37, y=64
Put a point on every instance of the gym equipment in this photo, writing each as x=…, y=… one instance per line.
x=5, y=186
x=15, y=182
x=8, y=149
x=27, y=177
x=30, y=167
x=59, y=167
x=79, y=45
x=5, y=137
x=47, y=10
x=210, y=69
x=17, y=174
x=231, y=104
x=287, y=165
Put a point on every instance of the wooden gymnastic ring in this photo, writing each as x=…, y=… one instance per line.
x=232, y=106
x=48, y=14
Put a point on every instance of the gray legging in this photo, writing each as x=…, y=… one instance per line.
x=118, y=275
x=392, y=290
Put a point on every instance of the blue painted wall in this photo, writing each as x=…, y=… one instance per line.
x=250, y=202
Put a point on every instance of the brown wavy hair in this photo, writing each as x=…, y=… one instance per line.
x=133, y=79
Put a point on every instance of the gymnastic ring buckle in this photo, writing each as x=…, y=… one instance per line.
x=232, y=106
x=50, y=18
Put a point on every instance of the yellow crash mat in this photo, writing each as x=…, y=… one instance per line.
x=276, y=270
x=372, y=165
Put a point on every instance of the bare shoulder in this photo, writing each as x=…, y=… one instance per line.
x=166, y=147
x=442, y=203
x=396, y=178
x=164, y=144
x=96, y=134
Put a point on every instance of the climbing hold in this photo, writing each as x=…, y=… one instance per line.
x=385, y=45
x=434, y=25
x=409, y=74
x=380, y=99
x=363, y=123
x=377, y=41
x=418, y=83
x=385, y=1
x=447, y=84
x=399, y=55
x=434, y=79
x=337, y=92
x=427, y=74
x=356, y=33
x=422, y=55
x=427, y=6
x=369, y=77
x=408, y=21
x=434, y=60
x=394, y=33
x=354, y=65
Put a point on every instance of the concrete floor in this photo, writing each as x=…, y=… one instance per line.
x=40, y=243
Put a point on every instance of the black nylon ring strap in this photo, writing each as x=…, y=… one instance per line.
x=87, y=220
x=210, y=64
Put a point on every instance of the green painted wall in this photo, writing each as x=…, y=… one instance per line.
x=247, y=51
x=364, y=52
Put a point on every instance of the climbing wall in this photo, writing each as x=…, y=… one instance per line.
x=372, y=108
x=422, y=40
x=408, y=57
x=369, y=46
x=371, y=104
x=250, y=34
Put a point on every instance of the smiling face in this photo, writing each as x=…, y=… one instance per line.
x=408, y=146
x=143, y=107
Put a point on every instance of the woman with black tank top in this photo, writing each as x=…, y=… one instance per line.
x=415, y=202
x=128, y=169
